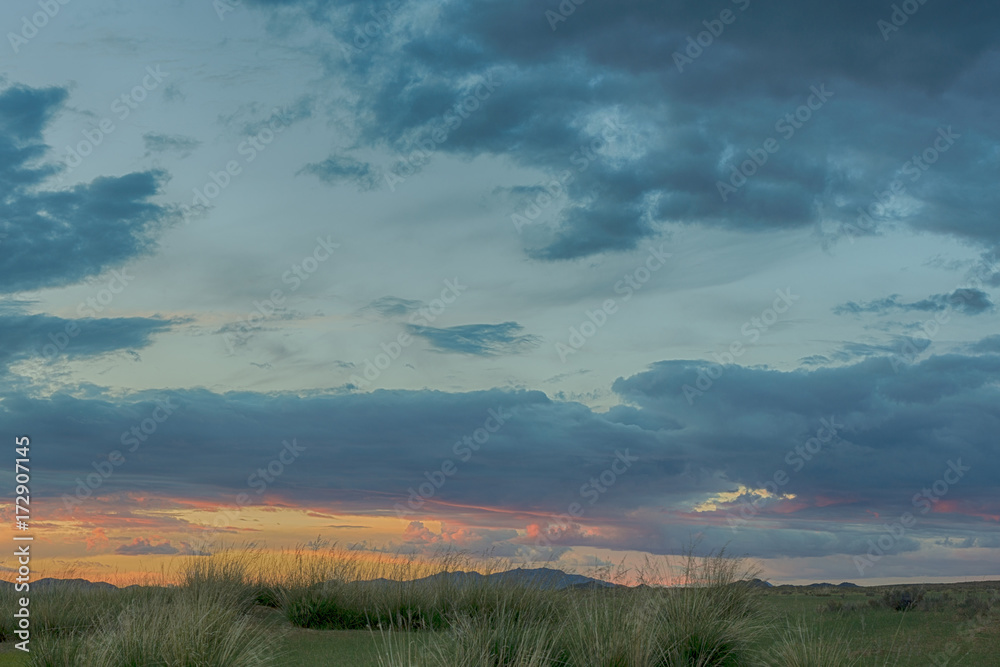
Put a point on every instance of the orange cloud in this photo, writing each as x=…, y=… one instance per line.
x=97, y=539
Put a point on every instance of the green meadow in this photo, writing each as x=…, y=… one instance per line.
x=249, y=608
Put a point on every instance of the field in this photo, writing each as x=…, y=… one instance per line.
x=245, y=609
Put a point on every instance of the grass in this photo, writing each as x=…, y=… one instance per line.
x=246, y=607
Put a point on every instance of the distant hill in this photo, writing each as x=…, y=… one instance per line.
x=543, y=577
x=760, y=583
x=845, y=584
x=49, y=581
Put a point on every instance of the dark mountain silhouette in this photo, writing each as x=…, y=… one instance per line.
x=49, y=581
x=845, y=584
x=543, y=577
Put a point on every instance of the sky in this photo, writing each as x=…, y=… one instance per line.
x=573, y=282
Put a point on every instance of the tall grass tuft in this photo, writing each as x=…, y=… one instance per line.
x=172, y=628
x=710, y=617
x=803, y=647
x=504, y=638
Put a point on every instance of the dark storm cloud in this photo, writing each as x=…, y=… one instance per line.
x=988, y=345
x=44, y=336
x=487, y=340
x=890, y=97
x=903, y=425
x=157, y=142
x=968, y=301
x=896, y=435
x=52, y=238
x=357, y=447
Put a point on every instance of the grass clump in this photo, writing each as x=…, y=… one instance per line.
x=802, y=646
x=709, y=617
x=171, y=628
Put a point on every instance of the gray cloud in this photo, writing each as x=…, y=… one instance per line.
x=988, y=345
x=393, y=306
x=967, y=300
x=682, y=133
x=157, y=142
x=52, y=238
x=487, y=340
x=141, y=546
x=48, y=337
x=337, y=169
x=896, y=433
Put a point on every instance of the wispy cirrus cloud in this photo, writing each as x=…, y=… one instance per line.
x=486, y=340
x=968, y=301
x=338, y=169
x=157, y=142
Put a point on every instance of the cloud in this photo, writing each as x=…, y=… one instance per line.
x=157, y=142
x=141, y=546
x=53, y=238
x=172, y=93
x=897, y=431
x=337, y=169
x=967, y=300
x=97, y=539
x=988, y=345
x=682, y=132
x=48, y=337
x=477, y=541
x=252, y=118
x=486, y=340
x=392, y=306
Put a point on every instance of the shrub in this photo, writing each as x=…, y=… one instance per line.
x=902, y=599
